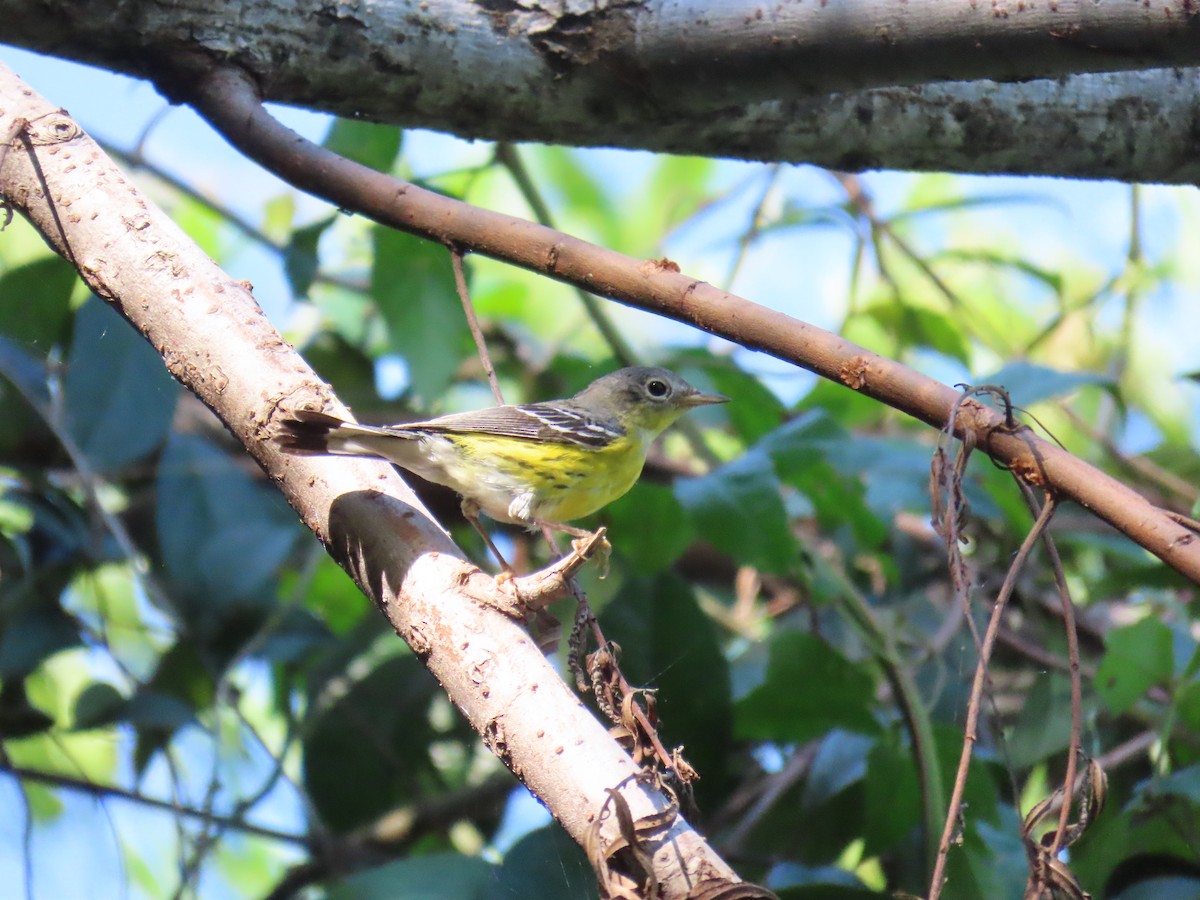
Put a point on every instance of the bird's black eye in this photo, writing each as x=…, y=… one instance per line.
x=657, y=388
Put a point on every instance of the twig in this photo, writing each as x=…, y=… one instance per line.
x=1068, y=611
x=85, y=786
x=464, y=295
x=977, y=686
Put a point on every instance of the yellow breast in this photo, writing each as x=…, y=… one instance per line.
x=566, y=481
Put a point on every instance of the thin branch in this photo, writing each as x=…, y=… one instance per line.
x=1073, y=662
x=464, y=296
x=103, y=791
x=977, y=687
x=226, y=97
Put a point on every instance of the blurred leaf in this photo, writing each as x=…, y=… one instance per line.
x=1167, y=887
x=810, y=689
x=413, y=285
x=25, y=435
x=1028, y=383
x=1187, y=705
x=99, y=704
x=182, y=673
x=222, y=534
x=350, y=371
x=802, y=214
x=545, y=864
x=369, y=143
x=791, y=881
x=438, y=876
x=575, y=187
x=181, y=687
x=755, y=410
x=1135, y=657
x=1043, y=726
x=119, y=398
x=32, y=632
x=292, y=636
x=300, y=260
x=841, y=760
x=915, y=326
x=18, y=717
x=330, y=594
x=1184, y=784
x=669, y=645
x=893, y=798
x=994, y=863
x=35, y=302
x=368, y=751
x=1047, y=277
x=738, y=509
x=279, y=213
x=649, y=527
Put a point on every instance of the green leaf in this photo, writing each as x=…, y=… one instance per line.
x=840, y=762
x=1187, y=704
x=438, y=876
x=345, y=366
x=668, y=644
x=100, y=704
x=1184, y=783
x=181, y=687
x=300, y=260
x=738, y=509
x=755, y=410
x=810, y=689
x=152, y=711
x=222, y=534
x=18, y=717
x=893, y=798
x=1135, y=657
x=1043, y=726
x=119, y=398
x=1047, y=277
x=183, y=675
x=1028, y=383
x=35, y=302
x=368, y=143
x=24, y=437
x=545, y=864
x=368, y=751
x=648, y=527
x=413, y=284
x=792, y=881
x=31, y=633
x=915, y=326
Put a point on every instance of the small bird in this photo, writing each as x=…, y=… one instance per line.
x=537, y=464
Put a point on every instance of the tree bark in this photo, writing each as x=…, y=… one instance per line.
x=215, y=340
x=1053, y=88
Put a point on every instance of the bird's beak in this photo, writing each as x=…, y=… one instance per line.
x=699, y=399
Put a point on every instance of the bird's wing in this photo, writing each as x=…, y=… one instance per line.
x=553, y=422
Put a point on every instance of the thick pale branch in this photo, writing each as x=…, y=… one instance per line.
x=1034, y=88
x=226, y=98
x=215, y=340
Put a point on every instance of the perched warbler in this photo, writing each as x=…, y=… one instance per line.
x=537, y=464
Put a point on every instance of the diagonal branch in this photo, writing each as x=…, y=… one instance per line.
x=214, y=338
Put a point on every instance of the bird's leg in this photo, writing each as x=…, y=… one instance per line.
x=585, y=544
x=470, y=511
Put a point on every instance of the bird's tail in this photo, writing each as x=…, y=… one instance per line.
x=310, y=433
